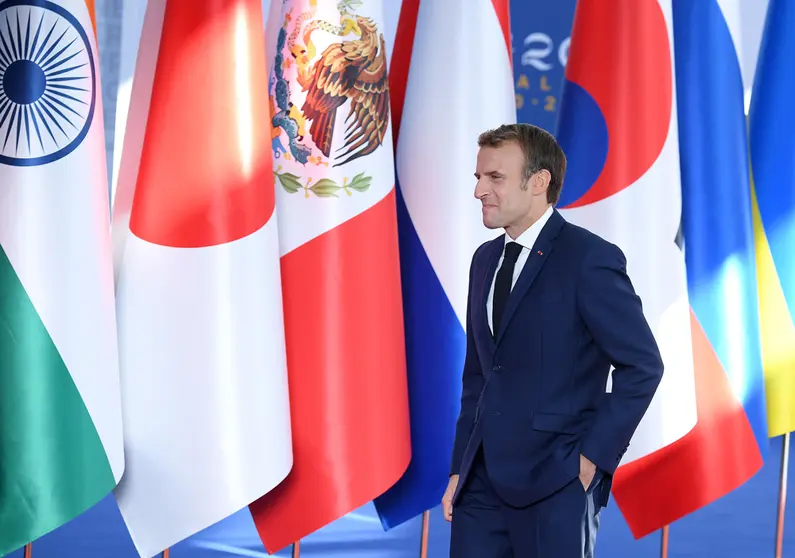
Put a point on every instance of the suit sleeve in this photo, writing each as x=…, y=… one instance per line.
x=614, y=316
x=472, y=384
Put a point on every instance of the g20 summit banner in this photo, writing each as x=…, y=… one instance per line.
x=541, y=33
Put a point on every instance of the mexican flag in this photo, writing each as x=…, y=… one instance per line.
x=60, y=414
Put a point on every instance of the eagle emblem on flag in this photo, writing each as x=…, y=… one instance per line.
x=308, y=90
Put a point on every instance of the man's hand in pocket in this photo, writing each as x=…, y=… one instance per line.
x=587, y=472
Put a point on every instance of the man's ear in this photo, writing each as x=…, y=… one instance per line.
x=539, y=182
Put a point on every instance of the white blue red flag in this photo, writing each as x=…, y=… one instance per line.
x=450, y=81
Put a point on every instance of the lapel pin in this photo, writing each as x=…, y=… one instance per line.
x=540, y=253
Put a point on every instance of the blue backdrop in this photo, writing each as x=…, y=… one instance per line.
x=541, y=32
x=740, y=525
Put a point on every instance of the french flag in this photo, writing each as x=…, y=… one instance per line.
x=624, y=121
x=451, y=79
x=717, y=222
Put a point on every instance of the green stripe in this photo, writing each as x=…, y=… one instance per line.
x=52, y=463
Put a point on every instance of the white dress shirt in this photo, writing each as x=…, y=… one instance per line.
x=526, y=240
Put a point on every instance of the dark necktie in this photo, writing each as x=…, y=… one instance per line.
x=502, y=285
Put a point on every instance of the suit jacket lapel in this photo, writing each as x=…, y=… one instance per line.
x=538, y=255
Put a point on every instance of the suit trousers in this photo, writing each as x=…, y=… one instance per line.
x=562, y=525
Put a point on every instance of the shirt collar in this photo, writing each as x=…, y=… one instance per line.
x=529, y=237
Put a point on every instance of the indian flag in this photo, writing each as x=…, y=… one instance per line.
x=60, y=415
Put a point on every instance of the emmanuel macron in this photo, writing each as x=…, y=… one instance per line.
x=550, y=309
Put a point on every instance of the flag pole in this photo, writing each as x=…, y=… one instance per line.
x=664, y=543
x=426, y=525
x=782, y=497
x=297, y=549
x=29, y=550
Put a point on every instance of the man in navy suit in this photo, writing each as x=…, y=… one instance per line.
x=550, y=309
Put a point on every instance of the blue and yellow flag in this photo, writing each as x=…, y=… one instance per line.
x=772, y=132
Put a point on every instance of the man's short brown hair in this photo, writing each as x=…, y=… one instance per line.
x=540, y=149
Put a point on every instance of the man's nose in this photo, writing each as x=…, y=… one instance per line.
x=480, y=190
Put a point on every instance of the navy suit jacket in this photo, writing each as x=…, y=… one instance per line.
x=534, y=397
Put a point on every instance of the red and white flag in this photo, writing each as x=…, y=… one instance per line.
x=204, y=382
x=334, y=167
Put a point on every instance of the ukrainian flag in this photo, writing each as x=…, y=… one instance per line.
x=772, y=136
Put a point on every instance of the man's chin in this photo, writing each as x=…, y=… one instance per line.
x=490, y=219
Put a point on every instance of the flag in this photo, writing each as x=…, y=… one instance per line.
x=199, y=305
x=718, y=233
x=459, y=84
x=772, y=143
x=61, y=445
x=340, y=267
x=618, y=126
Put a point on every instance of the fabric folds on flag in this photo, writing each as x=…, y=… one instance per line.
x=61, y=445
x=772, y=143
x=202, y=352
x=618, y=127
x=445, y=71
x=340, y=267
